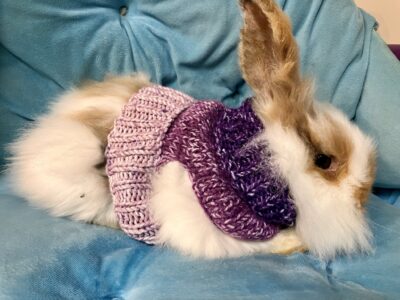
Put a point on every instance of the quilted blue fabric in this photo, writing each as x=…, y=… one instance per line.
x=48, y=46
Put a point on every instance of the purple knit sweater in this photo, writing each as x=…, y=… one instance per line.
x=232, y=178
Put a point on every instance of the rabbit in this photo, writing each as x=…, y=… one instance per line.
x=328, y=163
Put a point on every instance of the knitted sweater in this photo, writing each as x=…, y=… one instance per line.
x=232, y=178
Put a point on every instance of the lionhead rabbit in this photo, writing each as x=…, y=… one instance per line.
x=278, y=175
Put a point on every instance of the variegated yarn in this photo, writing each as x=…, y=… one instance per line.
x=233, y=181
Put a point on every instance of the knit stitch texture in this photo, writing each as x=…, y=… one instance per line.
x=236, y=186
x=134, y=152
x=232, y=177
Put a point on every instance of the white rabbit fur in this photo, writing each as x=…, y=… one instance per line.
x=53, y=165
x=56, y=164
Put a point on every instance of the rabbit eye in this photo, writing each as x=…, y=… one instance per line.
x=323, y=161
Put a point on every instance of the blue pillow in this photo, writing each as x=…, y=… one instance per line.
x=48, y=46
x=379, y=110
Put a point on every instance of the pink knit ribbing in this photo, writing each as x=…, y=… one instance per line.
x=134, y=152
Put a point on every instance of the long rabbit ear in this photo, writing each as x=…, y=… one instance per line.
x=269, y=58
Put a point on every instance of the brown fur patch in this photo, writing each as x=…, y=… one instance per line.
x=268, y=50
x=99, y=121
x=288, y=112
x=362, y=191
x=331, y=141
x=270, y=64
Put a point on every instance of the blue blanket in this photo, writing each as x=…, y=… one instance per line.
x=48, y=258
x=48, y=46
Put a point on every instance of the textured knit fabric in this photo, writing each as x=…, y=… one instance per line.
x=238, y=190
x=236, y=187
x=134, y=152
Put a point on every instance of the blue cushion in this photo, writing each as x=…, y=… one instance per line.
x=378, y=112
x=48, y=46
x=391, y=196
x=48, y=258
